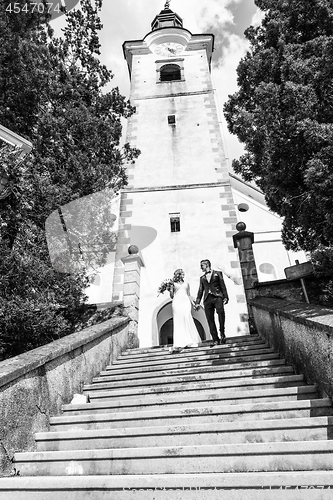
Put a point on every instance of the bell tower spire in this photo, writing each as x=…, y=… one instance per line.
x=167, y=19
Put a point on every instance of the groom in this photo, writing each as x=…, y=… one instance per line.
x=215, y=296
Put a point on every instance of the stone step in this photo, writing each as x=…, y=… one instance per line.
x=206, y=387
x=197, y=415
x=191, y=354
x=175, y=362
x=243, y=340
x=232, y=370
x=296, y=429
x=200, y=350
x=165, y=378
x=180, y=386
x=299, y=455
x=155, y=371
x=193, y=399
x=295, y=485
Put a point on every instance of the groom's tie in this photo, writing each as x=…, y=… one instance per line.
x=207, y=274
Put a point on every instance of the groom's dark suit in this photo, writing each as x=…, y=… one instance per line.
x=214, y=292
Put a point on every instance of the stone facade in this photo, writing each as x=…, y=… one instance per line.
x=182, y=170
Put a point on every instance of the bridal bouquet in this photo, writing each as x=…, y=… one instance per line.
x=166, y=285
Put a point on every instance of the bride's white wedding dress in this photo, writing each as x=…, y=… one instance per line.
x=185, y=332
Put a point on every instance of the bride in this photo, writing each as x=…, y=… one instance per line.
x=185, y=333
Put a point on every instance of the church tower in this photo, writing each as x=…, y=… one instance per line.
x=178, y=207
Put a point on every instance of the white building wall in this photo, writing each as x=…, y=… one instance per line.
x=202, y=235
x=182, y=169
x=181, y=154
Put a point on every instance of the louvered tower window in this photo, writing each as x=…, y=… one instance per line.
x=170, y=73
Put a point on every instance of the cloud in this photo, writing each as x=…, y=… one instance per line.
x=224, y=78
x=210, y=16
x=257, y=17
x=225, y=74
x=198, y=14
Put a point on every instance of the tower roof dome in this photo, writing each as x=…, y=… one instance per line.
x=167, y=19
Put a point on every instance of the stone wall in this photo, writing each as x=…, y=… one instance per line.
x=35, y=385
x=292, y=290
x=280, y=289
x=303, y=335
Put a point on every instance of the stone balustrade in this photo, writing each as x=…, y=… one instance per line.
x=301, y=332
x=303, y=335
x=35, y=385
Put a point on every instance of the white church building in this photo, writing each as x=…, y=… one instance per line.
x=181, y=204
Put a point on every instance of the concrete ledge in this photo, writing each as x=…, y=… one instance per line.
x=303, y=335
x=177, y=187
x=281, y=289
x=35, y=385
x=18, y=366
x=307, y=314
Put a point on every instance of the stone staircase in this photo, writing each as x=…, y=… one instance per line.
x=232, y=421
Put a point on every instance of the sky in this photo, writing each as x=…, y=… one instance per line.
x=226, y=19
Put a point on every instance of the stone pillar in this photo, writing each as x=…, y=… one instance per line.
x=132, y=273
x=243, y=240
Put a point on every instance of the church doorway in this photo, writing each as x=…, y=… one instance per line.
x=166, y=332
x=164, y=322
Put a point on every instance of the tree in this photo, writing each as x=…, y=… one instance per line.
x=51, y=92
x=283, y=113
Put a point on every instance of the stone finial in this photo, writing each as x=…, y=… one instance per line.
x=242, y=234
x=241, y=226
x=167, y=4
x=133, y=249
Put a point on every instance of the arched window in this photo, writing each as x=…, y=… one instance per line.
x=170, y=72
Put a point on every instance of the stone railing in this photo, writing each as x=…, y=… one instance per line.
x=302, y=334
x=292, y=290
x=35, y=385
x=280, y=289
